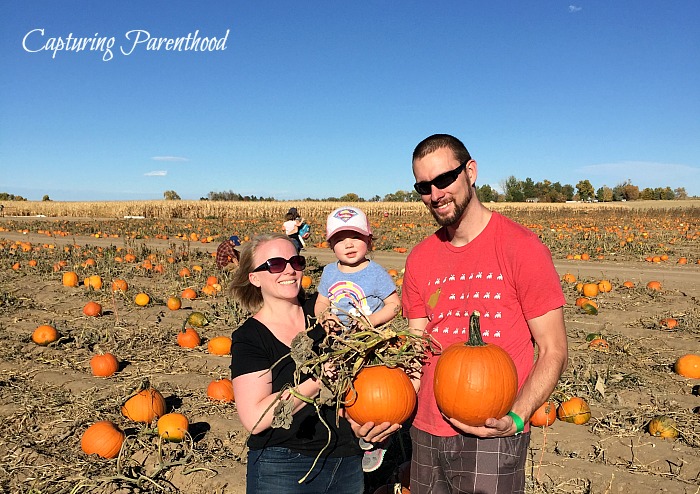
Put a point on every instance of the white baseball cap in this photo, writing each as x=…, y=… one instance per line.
x=347, y=218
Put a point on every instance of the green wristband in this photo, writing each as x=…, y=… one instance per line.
x=519, y=424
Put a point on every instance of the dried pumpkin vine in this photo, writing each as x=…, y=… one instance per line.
x=343, y=354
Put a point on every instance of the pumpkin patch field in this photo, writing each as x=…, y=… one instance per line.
x=115, y=323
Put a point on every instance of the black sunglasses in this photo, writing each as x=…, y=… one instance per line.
x=277, y=264
x=441, y=181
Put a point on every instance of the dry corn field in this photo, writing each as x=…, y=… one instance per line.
x=49, y=395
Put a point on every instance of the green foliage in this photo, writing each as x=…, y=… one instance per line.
x=171, y=195
x=4, y=196
x=585, y=190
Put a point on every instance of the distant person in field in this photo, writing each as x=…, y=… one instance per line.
x=354, y=288
x=227, y=256
x=478, y=260
x=292, y=224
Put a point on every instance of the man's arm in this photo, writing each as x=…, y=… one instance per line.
x=417, y=327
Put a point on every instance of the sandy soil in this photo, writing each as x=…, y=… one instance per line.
x=48, y=396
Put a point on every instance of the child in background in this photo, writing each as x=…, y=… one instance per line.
x=291, y=225
x=355, y=286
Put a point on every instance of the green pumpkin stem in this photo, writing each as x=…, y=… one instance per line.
x=475, y=330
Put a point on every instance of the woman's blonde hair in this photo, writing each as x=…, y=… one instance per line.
x=241, y=289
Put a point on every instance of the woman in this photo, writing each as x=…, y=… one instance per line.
x=268, y=284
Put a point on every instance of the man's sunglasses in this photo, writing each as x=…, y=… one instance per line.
x=277, y=264
x=441, y=181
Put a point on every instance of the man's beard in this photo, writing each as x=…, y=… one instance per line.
x=456, y=215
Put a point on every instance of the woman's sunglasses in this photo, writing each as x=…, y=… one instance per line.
x=441, y=181
x=277, y=264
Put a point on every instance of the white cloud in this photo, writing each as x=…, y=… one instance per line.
x=156, y=173
x=169, y=158
x=574, y=8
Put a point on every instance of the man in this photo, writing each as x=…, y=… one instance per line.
x=226, y=254
x=478, y=260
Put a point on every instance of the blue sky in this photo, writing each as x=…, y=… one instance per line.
x=324, y=98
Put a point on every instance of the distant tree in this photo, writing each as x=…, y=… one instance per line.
x=680, y=193
x=46, y=198
x=402, y=196
x=512, y=189
x=528, y=188
x=647, y=194
x=568, y=191
x=351, y=197
x=604, y=194
x=630, y=192
x=486, y=193
x=375, y=199
x=4, y=196
x=585, y=190
x=667, y=194
x=171, y=195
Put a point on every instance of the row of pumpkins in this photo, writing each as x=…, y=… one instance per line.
x=105, y=438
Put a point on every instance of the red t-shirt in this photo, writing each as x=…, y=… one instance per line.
x=505, y=273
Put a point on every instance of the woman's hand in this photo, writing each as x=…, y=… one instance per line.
x=370, y=432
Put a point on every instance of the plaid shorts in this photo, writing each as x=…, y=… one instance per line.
x=467, y=464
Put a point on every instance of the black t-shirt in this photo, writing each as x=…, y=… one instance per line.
x=254, y=348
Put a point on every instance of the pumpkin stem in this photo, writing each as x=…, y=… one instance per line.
x=475, y=338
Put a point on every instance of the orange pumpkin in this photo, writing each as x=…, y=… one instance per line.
x=119, y=285
x=102, y=438
x=688, y=366
x=545, y=415
x=174, y=303
x=574, y=410
x=184, y=272
x=668, y=323
x=92, y=309
x=380, y=394
x=654, y=285
x=70, y=278
x=173, y=427
x=590, y=289
x=44, y=334
x=189, y=294
x=104, y=365
x=569, y=278
x=93, y=282
x=475, y=380
x=209, y=290
x=142, y=299
x=221, y=390
x=604, y=286
x=144, y=406
x=306, y=282
x=188, y=338
x=599, y=344
x=212, y=280
x=219, y=345
x=628, y=284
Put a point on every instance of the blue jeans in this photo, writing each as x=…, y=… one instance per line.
x=276, y=470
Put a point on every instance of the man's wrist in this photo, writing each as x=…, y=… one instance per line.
x=519, y=424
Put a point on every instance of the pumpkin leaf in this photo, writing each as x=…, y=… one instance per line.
x=600, y=385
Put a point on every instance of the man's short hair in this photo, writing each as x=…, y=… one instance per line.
x=438, y=141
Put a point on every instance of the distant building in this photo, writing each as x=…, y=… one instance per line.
x=532, y=199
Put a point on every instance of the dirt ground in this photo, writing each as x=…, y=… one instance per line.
x=48, y=395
